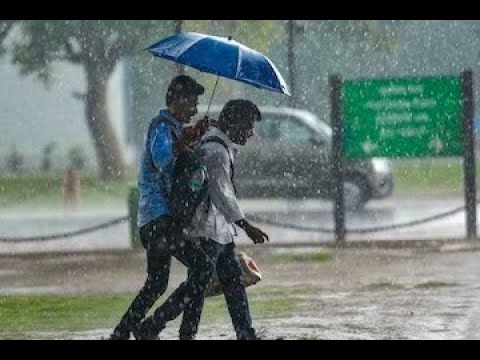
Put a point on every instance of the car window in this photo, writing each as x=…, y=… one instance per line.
x=281, y=128
x=267, y=129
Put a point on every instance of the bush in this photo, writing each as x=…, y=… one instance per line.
x=47, y=156
x=77, y=158
x=15, y=161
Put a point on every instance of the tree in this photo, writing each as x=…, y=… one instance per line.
x=95, y=45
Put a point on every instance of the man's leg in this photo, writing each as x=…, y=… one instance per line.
x=230, y=274
x=201, y=268
x=158, y=270
x=193, y=311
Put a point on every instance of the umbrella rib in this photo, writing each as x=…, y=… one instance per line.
x=239, y=61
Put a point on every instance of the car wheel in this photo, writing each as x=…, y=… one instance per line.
x=355, y=194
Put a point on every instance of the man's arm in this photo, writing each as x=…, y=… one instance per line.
x=222, y=193
x=220, y=187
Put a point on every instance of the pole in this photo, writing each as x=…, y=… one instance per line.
x=469, y=154
x=178, y=29
x=211, y=97
x=335, y=85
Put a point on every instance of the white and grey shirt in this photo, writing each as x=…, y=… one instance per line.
x=216, y=221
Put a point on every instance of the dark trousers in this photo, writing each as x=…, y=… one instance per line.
x=200, y=271
x=154, y=237
x=229, y=272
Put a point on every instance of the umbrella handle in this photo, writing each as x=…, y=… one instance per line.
x=211, y=98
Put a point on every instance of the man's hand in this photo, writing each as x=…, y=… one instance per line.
x=254, y=233
x=192, y=134
x=202, y=125
x=257, y=235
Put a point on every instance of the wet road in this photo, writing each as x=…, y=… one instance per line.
x=308, y=213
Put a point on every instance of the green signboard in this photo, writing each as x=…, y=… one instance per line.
x=403, y=117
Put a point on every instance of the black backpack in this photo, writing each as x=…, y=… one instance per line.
x=190, y=183
x=189, y=187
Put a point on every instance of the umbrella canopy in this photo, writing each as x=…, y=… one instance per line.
x=223, y=57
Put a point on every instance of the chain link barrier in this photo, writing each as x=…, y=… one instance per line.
x=321, y=230
x=252, y=217
x=64, y=235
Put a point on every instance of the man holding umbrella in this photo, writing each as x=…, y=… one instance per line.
x=223, y=57
x=163, y=141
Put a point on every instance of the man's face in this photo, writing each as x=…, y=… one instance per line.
x=186, y=107
x=240, y=133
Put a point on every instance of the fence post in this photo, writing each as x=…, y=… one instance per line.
x=132, y=216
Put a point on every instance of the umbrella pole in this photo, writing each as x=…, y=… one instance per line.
x=211, y=98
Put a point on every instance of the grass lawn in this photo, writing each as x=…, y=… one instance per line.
x=440, y=177
x=22, y=314
x=40, y=190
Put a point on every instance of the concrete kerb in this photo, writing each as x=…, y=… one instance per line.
x=436, y=245
x=441, y=245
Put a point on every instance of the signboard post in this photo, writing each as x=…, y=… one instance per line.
x=469, y=156
x=335, y=84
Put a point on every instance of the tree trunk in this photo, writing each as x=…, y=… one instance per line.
x=106, y=144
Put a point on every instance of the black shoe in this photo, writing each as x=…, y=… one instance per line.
x=248, y=335
x=146, y=330
x=118, y=335
x=187, y=337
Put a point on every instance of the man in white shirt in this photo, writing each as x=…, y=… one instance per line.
x=212, y=226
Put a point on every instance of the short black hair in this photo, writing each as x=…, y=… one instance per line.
x=238, y=111
x=183, y=85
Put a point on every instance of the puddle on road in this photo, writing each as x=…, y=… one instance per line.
x=8, y=272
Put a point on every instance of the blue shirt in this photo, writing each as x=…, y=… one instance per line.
x=156, y=169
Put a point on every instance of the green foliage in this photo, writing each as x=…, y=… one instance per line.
x=47, y=156
x=15, y=161
x=77, y=158
x=370, y=33
x=257, y=34
x=87, y=42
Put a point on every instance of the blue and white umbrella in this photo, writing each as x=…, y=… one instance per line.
x=223, y=57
